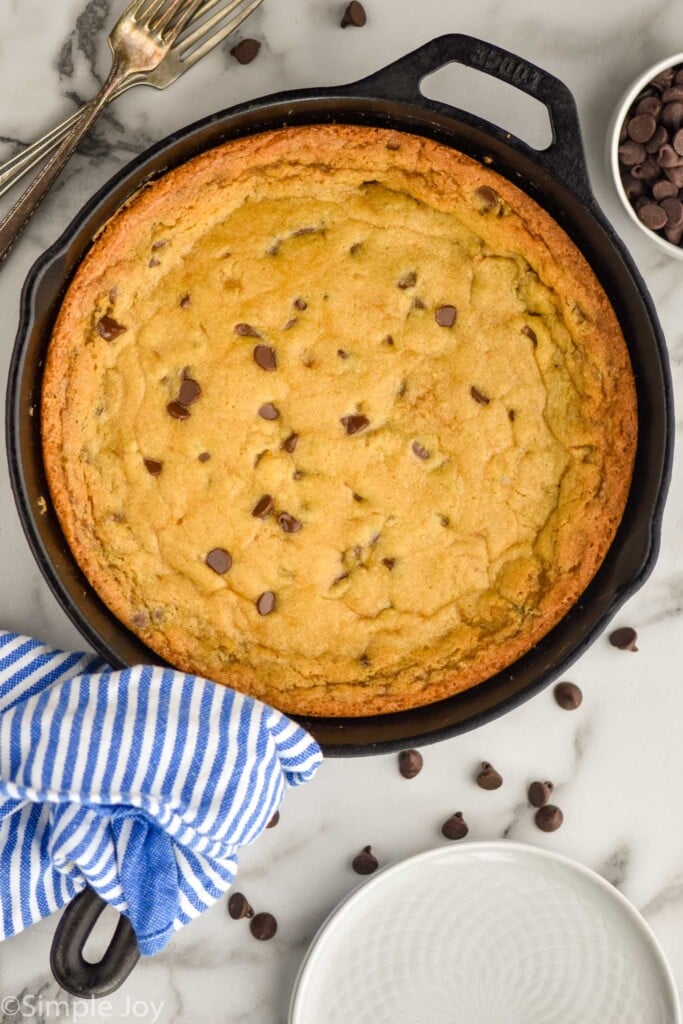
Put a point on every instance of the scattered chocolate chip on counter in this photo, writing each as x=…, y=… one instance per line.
x=651, y=156
x=265, y=603
x=365, y=862
x=539, y=793
x=239, y=906
x=153, y=467
x=246, y=50
x=219, y=560
x=488, y=777
x=410, y=763
x=263, y=926
x=265, y=357
x=354, y=15
x=625, y=638
x=568, y=696
x=549, y=818
x=455, y=827
x=274, y=820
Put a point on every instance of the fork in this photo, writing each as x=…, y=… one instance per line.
x=139, y=41
x=191, y=45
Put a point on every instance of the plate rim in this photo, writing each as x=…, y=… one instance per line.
x=510, y=846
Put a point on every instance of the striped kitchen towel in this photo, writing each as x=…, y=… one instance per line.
x=142, y=783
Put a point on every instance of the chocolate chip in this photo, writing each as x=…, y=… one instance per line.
x=488, y=777
x=479, y=396
x=673, y=208
x=389, y=563
x=648, y=170
x=455, y=827
x=246, y=50
x=668, y=157
x=154, y=262
x=140, y=619
x=642, y=127
x=153, y=467
x=417, y=303
x=410, y=763
x=354, y=15
x=549, y=818
x=287, y=523
x=219, y=560
x=354, y=424
x=263, y=507
x=300, y=304
x=677, y=141
x=420, y=450
x=298, y=474
x=531, y=334
x=108, y=328
x=487, y=197
x=177, y=411
x=265, y=357
x=365, y=862
x=274, y=820
x=189, y=392
x=632, y=153
x=265, y=604
x=342, y=354
x=633, y=187
x=357, y=497
x=568, y=696
x=289, y=444
x=540, y=793
x=239, y=906
x=204, y=456
x=290, y=323
x=388, y=340
x=185, y=301
x=355, y=248
x=408, y=280
x=246, y=331
x=650, y=105
x=653, y=216
x=658, y=139
x=672, y=116
x=673, y=95
x=263, y=927
x=675, y=174
x=625, y=639
x=664, y=189
x=445, y=316
x=268, y=411
x=673, y=235
x=512, y=415
x=444, y=520
x=663, y=80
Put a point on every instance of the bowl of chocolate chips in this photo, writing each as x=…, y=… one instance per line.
x=646, y=153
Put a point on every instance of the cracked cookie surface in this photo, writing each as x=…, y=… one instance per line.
x=338, y=417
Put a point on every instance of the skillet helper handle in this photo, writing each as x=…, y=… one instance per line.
x=564, y=158
x=75, y=974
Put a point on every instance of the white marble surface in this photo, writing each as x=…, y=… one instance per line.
x=617, y=762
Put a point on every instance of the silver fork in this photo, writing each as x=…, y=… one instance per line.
x=139, y=41
x=199, y=36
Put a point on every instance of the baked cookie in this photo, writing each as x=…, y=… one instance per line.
x=339, y=417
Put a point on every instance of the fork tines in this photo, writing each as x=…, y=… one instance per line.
x=206, y=32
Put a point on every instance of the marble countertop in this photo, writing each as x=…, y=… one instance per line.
x=617, y=762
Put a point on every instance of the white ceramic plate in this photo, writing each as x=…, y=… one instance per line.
x=485, y=933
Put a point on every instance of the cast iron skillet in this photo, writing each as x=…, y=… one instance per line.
x=557, y=179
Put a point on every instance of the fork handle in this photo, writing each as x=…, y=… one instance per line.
x=18, y=217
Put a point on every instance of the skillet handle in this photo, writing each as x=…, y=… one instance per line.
x=75, y=974
x=564, y=158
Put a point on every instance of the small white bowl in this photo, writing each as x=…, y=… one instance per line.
x=618, y=118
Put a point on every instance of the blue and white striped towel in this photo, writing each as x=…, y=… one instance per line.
x=142, y=783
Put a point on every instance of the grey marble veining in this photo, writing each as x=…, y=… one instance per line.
x=617, y=762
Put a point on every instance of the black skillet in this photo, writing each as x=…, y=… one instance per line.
x=557, y=179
